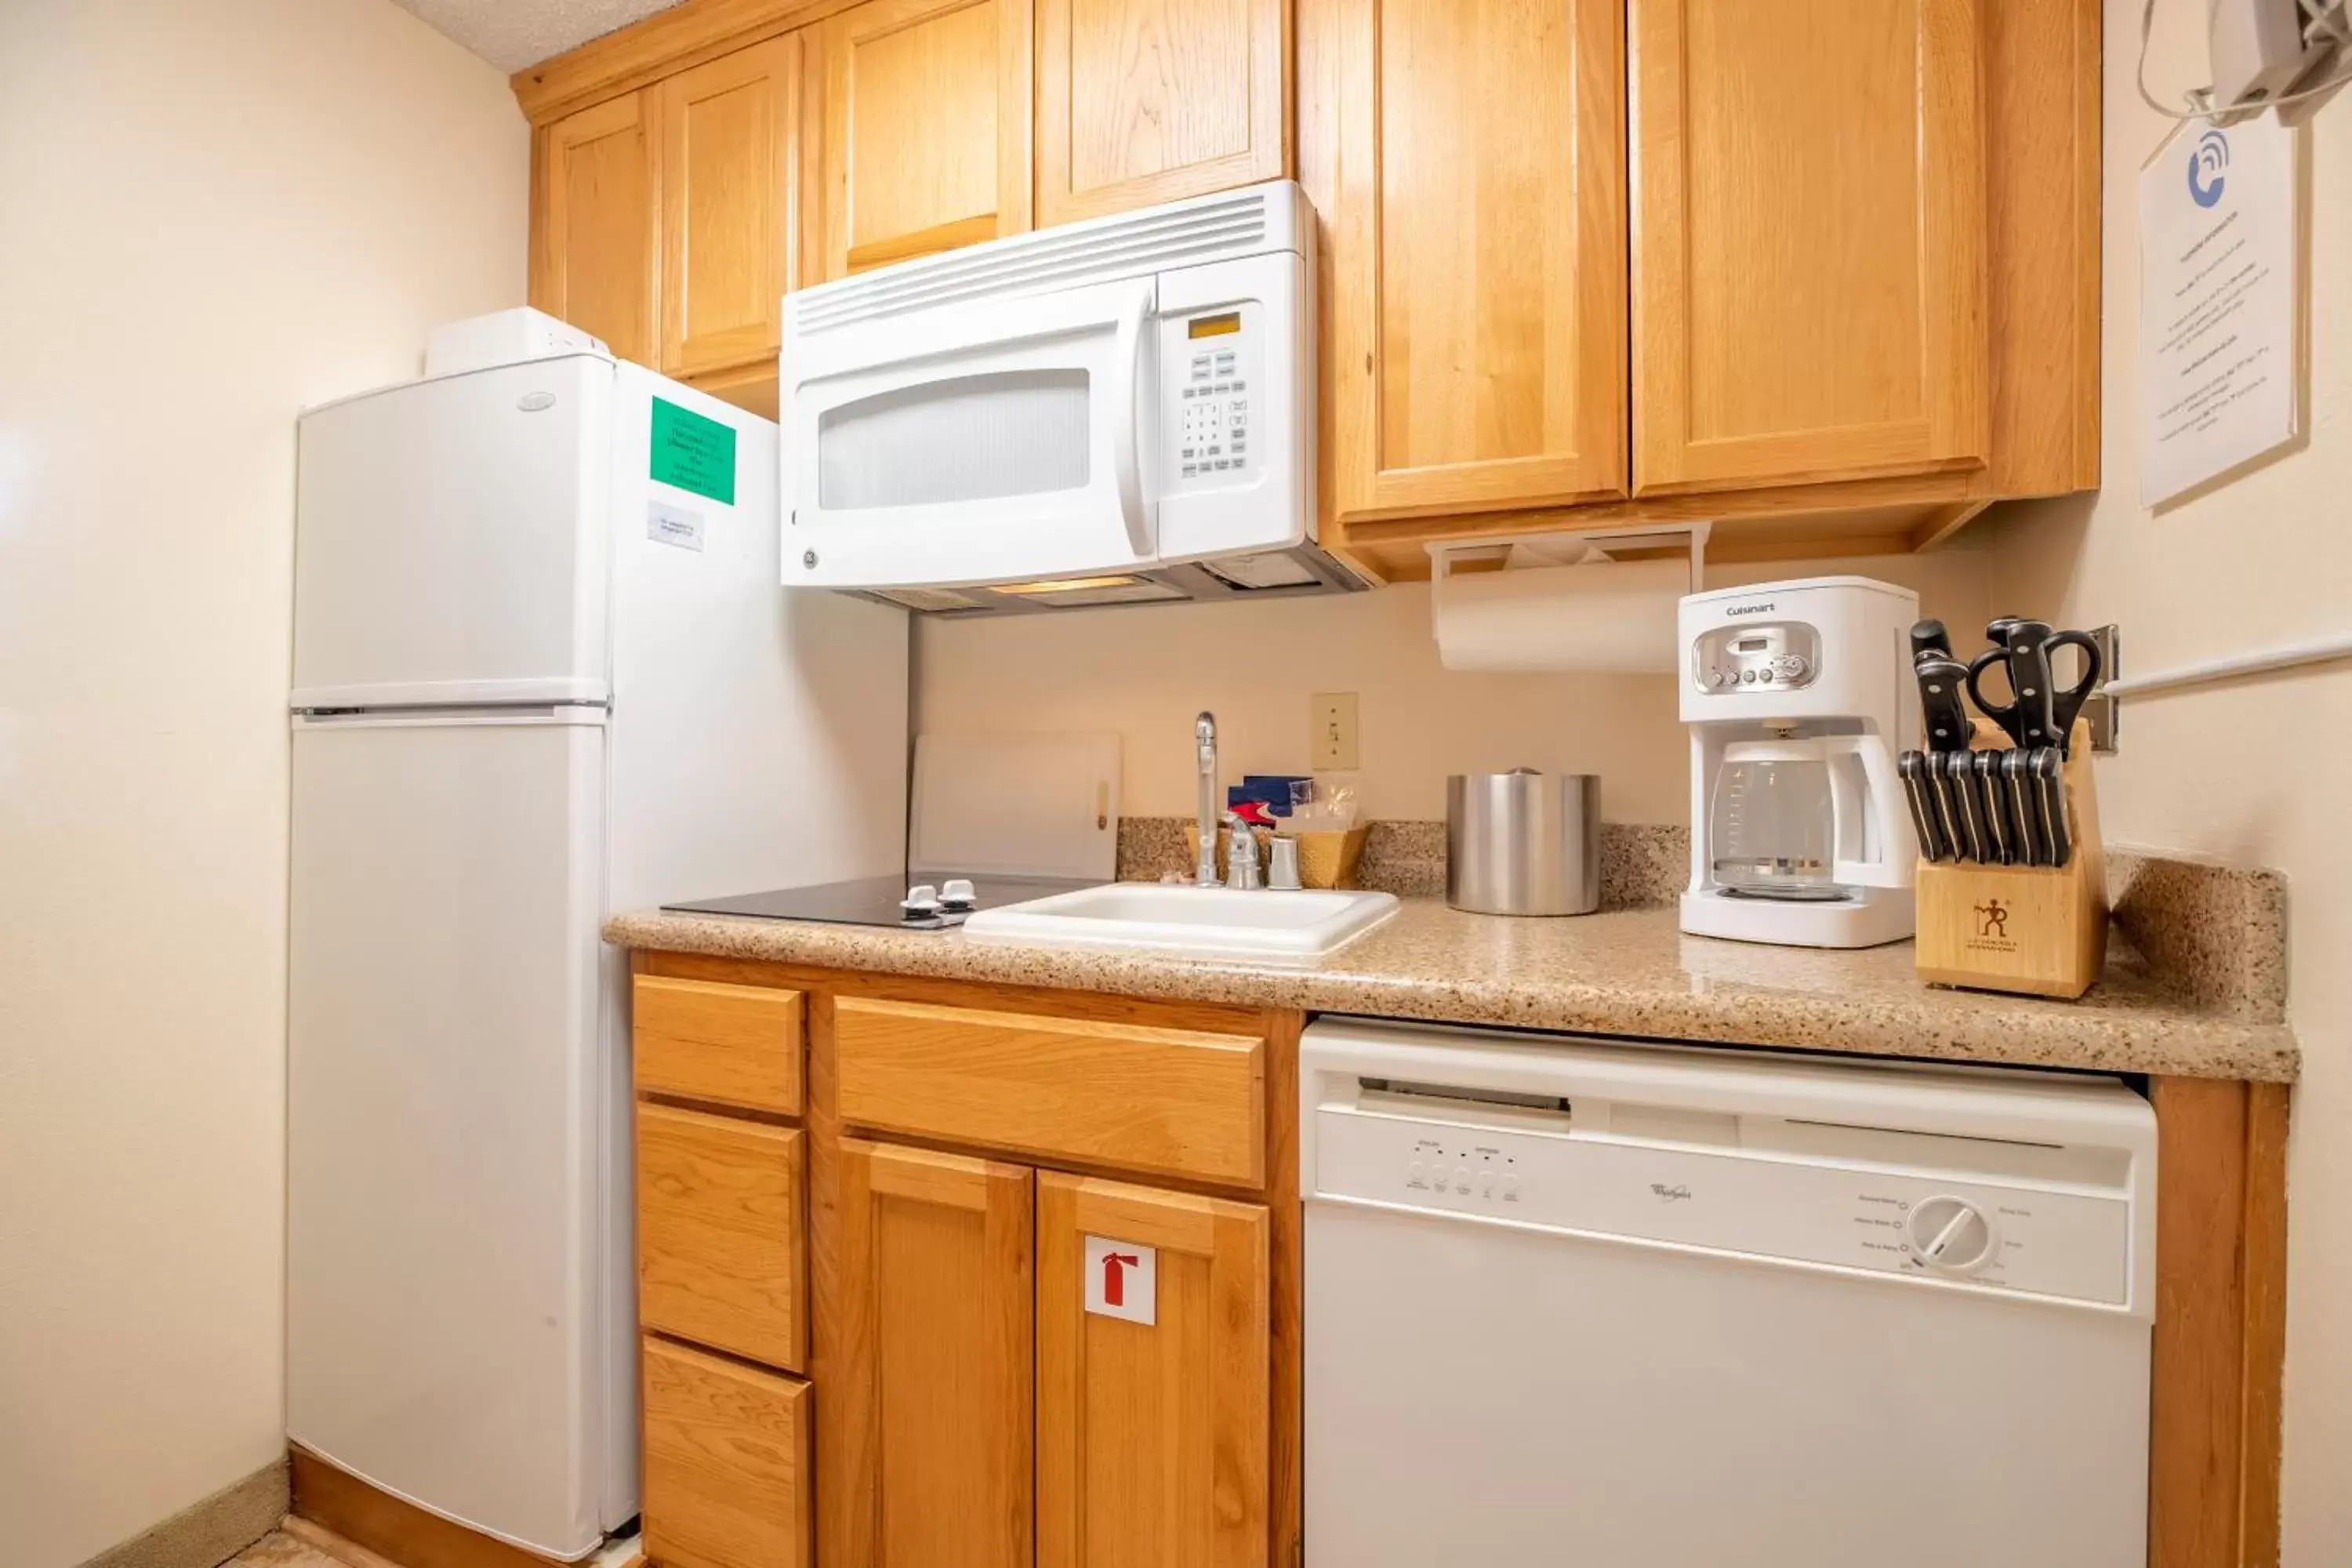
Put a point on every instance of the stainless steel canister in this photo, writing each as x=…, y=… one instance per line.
x=1523, y=843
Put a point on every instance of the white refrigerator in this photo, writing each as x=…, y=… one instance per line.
x=543, y=670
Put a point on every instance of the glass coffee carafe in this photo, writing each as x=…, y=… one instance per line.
x=1784, y=815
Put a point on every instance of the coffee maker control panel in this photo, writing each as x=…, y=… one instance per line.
x=1773, y=656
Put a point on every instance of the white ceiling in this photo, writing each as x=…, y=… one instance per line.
x=512, y=33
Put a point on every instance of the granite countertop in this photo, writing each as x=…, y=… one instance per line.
x=1629, y=973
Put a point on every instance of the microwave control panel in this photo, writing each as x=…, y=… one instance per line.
x=1211, y=376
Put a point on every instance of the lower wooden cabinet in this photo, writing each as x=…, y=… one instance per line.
x=933, y=1394
x=727, y=1462
x=1151, y=1435
x=735, y=1045
x=1006, y=1366
x=720, y=1243
x=1134, y=1095
x=1150, y=1431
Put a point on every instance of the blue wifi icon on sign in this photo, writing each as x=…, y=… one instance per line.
x=2206, y=164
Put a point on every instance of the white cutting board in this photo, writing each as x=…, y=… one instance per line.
x=1036, y=804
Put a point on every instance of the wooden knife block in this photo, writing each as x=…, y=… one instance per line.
x=2038, y=929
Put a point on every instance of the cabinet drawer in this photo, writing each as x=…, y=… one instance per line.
x=734, y=1045
x=719, y=1243
x=727, y=1463
x=1171, y=1101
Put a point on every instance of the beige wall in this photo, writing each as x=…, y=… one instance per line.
x=209, y=216
x=2245, y=773
x=1145, y=672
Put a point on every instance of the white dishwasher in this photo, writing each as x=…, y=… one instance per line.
x=1654, y=1307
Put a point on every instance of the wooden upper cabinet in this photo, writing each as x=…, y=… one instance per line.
x=926, y=116
x=1141, y=101
x=729, y=177
x=1152, y=1436
x=930, y=1399
x=1809, y=240
x=594, y=260
x=1478, y=224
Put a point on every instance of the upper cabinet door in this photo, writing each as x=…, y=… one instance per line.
x=929, y=1401
x=1141, y=101
x=926, y=121
x=1153, y=1373
x=730, y=145
x=1477, y=255
x=594, y=260
x=1809, y=218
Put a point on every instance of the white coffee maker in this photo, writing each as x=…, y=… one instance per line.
x=1798, y=696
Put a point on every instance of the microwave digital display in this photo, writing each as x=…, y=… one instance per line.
x=1214, y=326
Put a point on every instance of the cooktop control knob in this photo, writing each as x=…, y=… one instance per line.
x=1950, y=1234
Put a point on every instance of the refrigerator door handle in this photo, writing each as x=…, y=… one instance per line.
x=449, y=718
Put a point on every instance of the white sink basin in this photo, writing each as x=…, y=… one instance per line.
x=1199, y=922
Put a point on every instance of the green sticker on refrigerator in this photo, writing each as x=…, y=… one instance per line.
x=693, y=452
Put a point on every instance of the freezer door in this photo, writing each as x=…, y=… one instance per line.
x=449, y=1309
x=451, y=540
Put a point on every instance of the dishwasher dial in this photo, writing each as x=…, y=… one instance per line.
x=1950, y=1234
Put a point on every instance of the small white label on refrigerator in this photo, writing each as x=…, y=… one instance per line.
x=1122, y=1280
x=673, y=525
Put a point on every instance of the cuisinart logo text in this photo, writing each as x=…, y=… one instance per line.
x=1749, y=609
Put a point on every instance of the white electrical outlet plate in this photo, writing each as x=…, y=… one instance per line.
x=1332, y=732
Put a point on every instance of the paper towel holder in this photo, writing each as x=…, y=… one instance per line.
x=1446, y=554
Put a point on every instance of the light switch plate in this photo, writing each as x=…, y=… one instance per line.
x=1332, y=732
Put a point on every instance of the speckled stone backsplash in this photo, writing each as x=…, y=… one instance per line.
x=1643, y=866
x=2218, y=933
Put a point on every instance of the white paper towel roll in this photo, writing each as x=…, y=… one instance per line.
x=1608, y=615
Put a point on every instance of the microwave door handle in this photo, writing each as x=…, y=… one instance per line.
x=1126, y=447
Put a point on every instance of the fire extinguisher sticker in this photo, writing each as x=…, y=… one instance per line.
x=1122, y=1280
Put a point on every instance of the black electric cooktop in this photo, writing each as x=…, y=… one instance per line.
x=875, y=900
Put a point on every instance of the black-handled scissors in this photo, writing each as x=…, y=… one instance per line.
x=2036, y=713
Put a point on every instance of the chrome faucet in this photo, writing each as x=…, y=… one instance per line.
x=1204, y=745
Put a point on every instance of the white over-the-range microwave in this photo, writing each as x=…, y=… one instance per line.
x=1120, y=410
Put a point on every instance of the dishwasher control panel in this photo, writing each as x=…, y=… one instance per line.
x=2057, y=1238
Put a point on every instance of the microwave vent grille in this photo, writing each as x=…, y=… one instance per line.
x=1133, y=245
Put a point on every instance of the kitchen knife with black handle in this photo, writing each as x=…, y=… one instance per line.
x=2048, y=768
x=2025, y=791
x=1998, y=821
x=1912, y=768
x=1960, y=778
x=1929, y=637
x=1945, y=716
